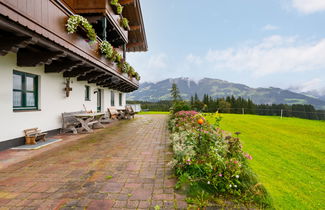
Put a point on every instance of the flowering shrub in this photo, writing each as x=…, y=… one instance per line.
x=107, y=49
x=76, y=21
x=117, y=57
x=124, y=22
x=207, y=160
x=118, y=6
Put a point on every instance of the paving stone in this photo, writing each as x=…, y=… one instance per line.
x=100, y=204
x=120, y=204
x=123, y=166
x=133, y=204
x=144, y=204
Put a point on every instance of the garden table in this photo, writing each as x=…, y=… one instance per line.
x=122, y=112
x=87, y=119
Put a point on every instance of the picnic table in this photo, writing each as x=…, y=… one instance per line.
x=122, y=112
x=87, y=119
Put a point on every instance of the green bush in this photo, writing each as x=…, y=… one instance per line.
x=207, y=160
x=180, y=106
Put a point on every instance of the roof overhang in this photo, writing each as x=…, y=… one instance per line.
x=137, y=35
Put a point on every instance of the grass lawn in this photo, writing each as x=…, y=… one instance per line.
x=288, y=156
x=153, y=112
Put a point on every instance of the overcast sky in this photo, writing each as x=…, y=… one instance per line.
x=260, y=43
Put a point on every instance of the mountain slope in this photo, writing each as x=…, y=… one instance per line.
x=218, y=88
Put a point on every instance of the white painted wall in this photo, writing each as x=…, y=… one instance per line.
x=52, y=100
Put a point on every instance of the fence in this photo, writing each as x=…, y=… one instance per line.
x=318, y=115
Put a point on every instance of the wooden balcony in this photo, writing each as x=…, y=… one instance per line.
x=38, y=28
x=95, y=11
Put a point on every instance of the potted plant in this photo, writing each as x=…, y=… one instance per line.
x=124, y=68
x=78, y=23
x=118, y=8
x=125, y=23
x=107, y=50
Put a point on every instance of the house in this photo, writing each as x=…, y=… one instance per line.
x=63, y=56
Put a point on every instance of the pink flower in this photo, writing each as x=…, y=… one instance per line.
x=235, y=161
x=220, y=175
x=248, y=156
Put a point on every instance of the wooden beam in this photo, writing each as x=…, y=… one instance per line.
x=126, y=2
x=135, y=28
x=27, y=57
x=79, y=71
x=90, y=76
x=116, y=85
x=135, y=44
x=104, y=81
x=13, y=43
x=100, y=78
x=62, y=65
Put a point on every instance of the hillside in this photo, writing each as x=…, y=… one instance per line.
x=218, y=88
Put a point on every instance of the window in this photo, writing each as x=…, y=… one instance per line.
x=25, y=91
x=87, y=93
x=120, y=99
x=112, y=98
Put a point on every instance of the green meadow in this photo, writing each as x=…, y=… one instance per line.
x=288, y=157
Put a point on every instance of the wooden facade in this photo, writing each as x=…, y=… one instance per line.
x=36, y=31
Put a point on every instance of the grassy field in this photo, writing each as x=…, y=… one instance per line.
x=288, y=156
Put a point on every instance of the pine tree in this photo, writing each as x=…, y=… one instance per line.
x=175, y=93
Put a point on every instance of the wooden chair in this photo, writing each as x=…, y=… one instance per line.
x=33, y=134
x=129, y=112
x=114, y=113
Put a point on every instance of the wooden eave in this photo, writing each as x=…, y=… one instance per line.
x=50, y=44
x=137, y=35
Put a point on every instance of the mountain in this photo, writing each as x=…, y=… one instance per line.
x=216, y=88
x=316, y=94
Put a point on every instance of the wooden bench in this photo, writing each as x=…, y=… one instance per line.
x=33, y=134
x=114, y=113
x=69, y=122
x=129, y=112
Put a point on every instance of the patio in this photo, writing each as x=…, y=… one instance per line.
x=122, y=166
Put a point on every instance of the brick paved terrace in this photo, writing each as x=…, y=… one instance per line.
x=123, y=166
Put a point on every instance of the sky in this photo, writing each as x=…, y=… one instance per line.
x=259, y=43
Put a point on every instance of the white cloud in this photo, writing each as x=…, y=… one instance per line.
x=275, y=54
x=308, y=6
x=157, y=61
x=315, y=86
x=194, y=59
x=310, y=85
x=270, y=27
x=150, y=66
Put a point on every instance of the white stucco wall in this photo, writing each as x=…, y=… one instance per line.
x=52, y=100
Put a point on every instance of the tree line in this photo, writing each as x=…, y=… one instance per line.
x=231, y=104
x=241, y=105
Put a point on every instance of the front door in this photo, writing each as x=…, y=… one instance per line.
x=99, y=100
